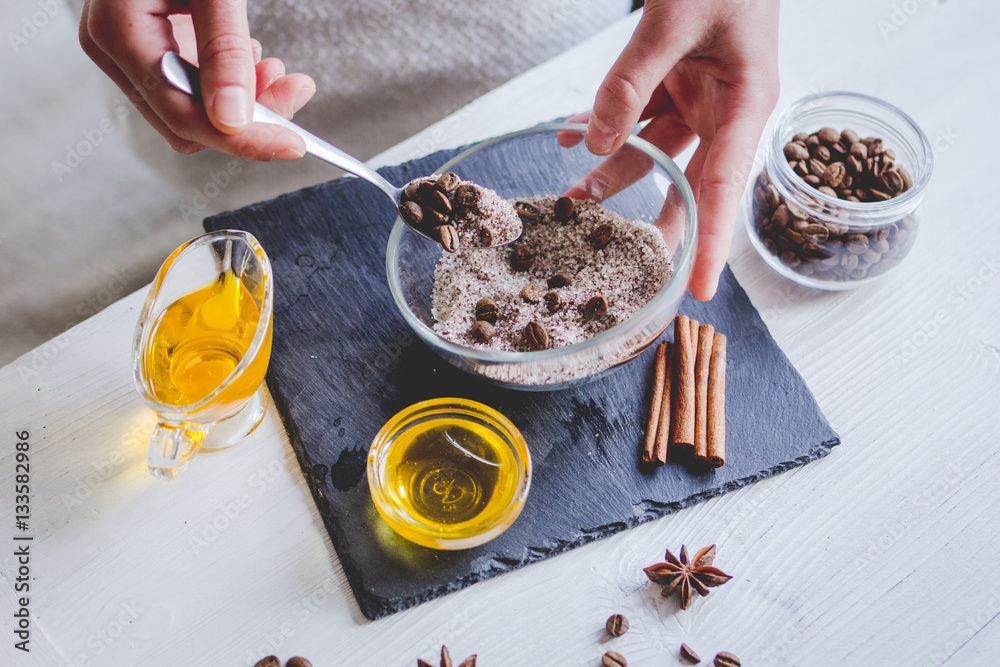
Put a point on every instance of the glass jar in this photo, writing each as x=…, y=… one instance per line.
x=864, y=221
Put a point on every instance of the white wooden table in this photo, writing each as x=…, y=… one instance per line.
x=884, y=553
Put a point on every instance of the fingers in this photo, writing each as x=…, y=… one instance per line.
x=628, y=165
x=287, y=94
x=126, y=39
x=653, y=50
x=721, y=172
x=226, y=60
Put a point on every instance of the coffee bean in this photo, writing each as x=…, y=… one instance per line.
x=854, y=165
x=298, y=662
x=613, y=659
x=687, y=653
x=812, y=139
x=878, y=195
x=438, y=201
x=531, y=293
x=596, y=307
x=525, y=210
x=467, y=196
x=801, y=167
x=856, y=243
x=834, y=174
x=563, y=209
x=816, y=167
x=410, y=191
x=411, y=212
x=425, y=188
x=535, y=336
x=828, y=135
x=553, y=302
x=269, y=661
x=820, y=152
x=801, y=136
x=560, y=280
x=891, y=182
x=449, y=238
x=435, y=218
x=617, y=625
x=486, y=310
x=521, y=258
x=828, y=191
x=907, y=179
x=859, y=151
x=726, y=659
x=849, y=137
x=813, y=180
x=795, y=150
x=482, y=331
x=601, y=237
x=790, y=259
x=874, y=146
x=448, y=181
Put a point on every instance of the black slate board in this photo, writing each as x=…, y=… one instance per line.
x=343, y=362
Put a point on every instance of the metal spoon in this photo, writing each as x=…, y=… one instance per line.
x=184, y=76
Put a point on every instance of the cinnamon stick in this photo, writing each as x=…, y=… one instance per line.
x=653, y=422
x=717, y=403
x=663, y=430
x=706, y=332
x=682, y=426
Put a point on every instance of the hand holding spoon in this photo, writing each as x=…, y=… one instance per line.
x=184, y=76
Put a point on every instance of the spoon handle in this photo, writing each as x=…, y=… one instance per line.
x=184, y=76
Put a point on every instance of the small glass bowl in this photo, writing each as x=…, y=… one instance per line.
x=827, y=242
x=396, y=481
x=518, y=166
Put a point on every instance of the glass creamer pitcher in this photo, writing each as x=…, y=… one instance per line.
x=202, y=345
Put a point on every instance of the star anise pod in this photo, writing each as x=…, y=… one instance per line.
x=446, y=660
x=687, y=576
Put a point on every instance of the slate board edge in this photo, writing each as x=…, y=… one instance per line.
x=652, y=511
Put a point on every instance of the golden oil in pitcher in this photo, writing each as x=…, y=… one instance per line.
x=199, y=340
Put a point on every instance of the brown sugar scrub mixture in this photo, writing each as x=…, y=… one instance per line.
x=578, y=269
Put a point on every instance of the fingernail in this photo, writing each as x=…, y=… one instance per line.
x=258, y=50
x=232, y=107
x=600, y=136
x=290, y=153
x=302, y=97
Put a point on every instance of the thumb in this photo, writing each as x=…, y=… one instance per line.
x=225, y=57
x=655, y=47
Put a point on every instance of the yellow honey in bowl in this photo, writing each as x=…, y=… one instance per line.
x=449, y=473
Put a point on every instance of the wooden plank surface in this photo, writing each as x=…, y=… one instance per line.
x=879, y=554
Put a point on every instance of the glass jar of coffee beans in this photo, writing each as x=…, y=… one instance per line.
x=836, y=203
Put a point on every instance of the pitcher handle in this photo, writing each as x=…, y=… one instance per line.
x=171, y=448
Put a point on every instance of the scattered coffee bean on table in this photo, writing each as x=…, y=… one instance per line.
x=726, y=659
x=617, y=625
x=613, y=659
x=687, y=653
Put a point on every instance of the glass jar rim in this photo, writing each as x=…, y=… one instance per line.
x=890, y=208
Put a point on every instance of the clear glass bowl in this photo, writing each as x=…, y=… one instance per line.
x=634, y=182
x=449, y=480
x=824, y=241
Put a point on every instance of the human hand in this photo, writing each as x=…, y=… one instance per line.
x=127, y=38
x=695, y=68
